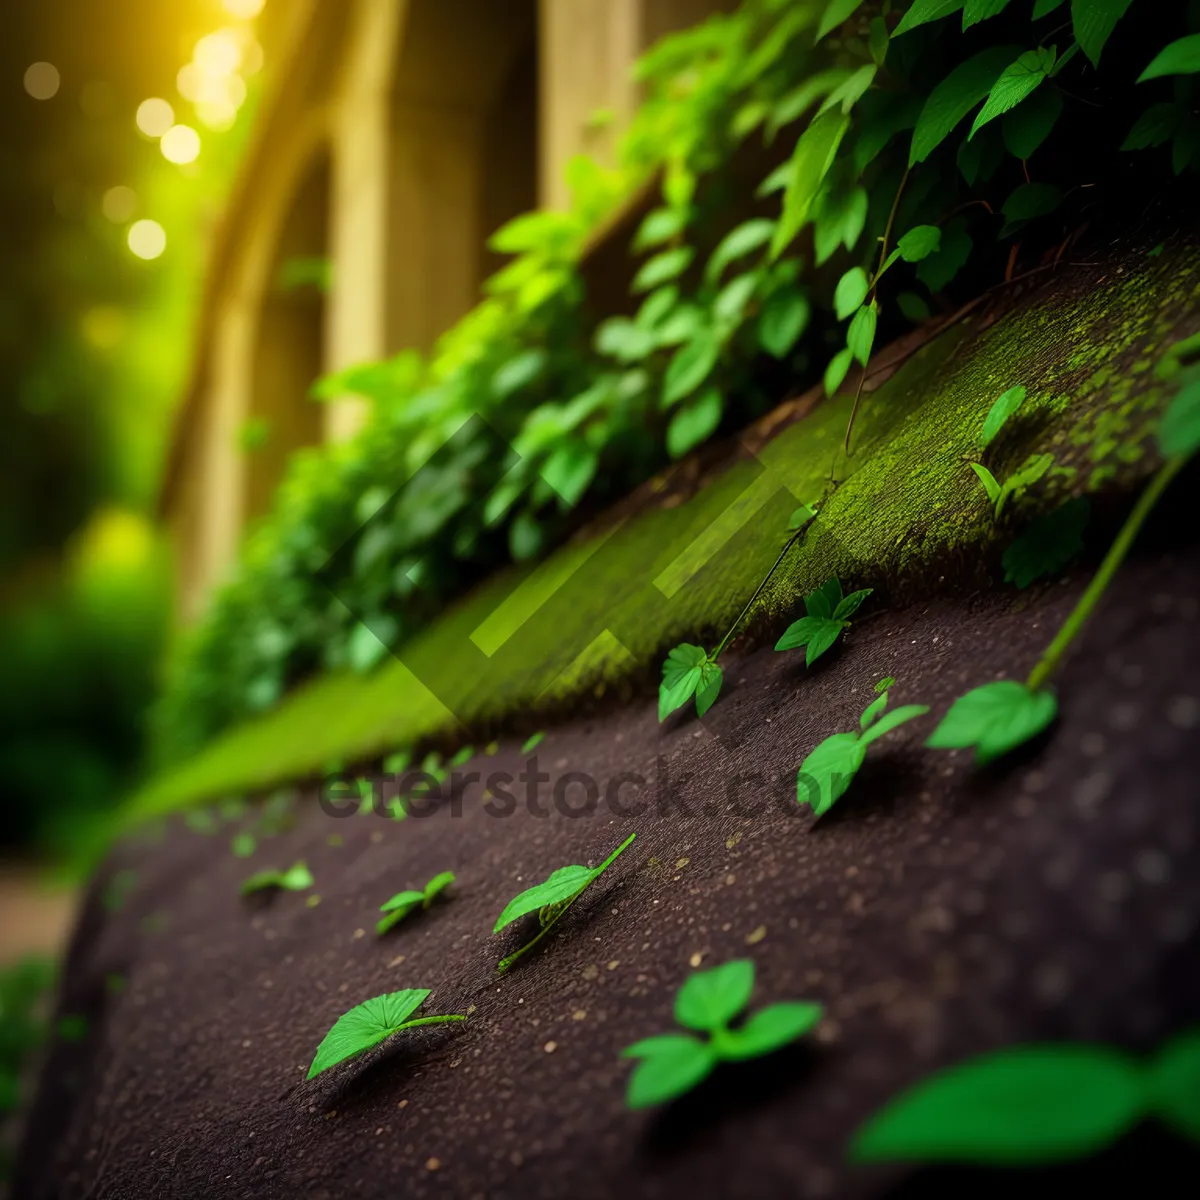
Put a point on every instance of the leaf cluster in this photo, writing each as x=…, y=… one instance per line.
x=828, y=614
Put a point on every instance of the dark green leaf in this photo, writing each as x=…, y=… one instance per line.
x=994, y=718
x=939, y=269
x=913, y=306
x=919, y=242
x=1174, y=1084
x=1094, y=21
x=1031, y=200
x=837, y=13
x=674, y=1065
x=709, y=687
x=694, y=423
x=770, y=1029
x=711, y=999
x=1048, y=544
x=923, y=11
x=810, y=163
x=860, y=337
x=849, y=605
x=980, y=10
x=1043, y=8
x=1004, y=407
x=954, y=98
x=1023, y=1105
x=839, y=221
x=366, y=1025
x=689, y=367
x=662, y=268
x=1179, y=432
x=1017, y=81
x=570, y=469
x=835, y=372
x=851, y=291
x=784, y=318
x=828, y=771
x=1029, y=124
x=1181, y=57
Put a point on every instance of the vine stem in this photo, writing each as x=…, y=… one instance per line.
x=432, y=1020
x=1048, y=663
x=757, y=592
x=883, y=249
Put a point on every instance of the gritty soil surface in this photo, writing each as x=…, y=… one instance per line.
x=936, y=911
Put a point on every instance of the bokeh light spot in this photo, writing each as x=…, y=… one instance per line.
x=147, y=239
x=218, y=53
x=247, y=10
x=180, y=144
x=119, y=204
x=155, y=116
x=42, y=80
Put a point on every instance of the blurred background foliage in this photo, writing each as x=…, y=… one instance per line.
x=94, y=340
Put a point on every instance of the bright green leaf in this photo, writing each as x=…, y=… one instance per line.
x=1017, y=81
x=770, y=1029
x=739, y=242
x=297, y=878
x=1022, y=1105
x=563, y=884
x=689, y=367
x=849, y=605
x=860, y=337
x=818, y=634
x=710, y=999
x=828, y=771
x=835, y=372
x=659, y=226
x=731, y=301
x=848, y=93
x=923, y=11
x=1181, y=57
x=681, y=678
x=980, y=10
x=708, y=688
x=676, y=1066
x=694, y=423
x=570, y=469
x=994, y=719
x=873, y=710
x=809, y=164
x=851, y=291
x=1004, y=407
x=801, y=517
x=1179, y=432
x=993, y=489
x=662, y=268
x=837, y=13
x=892, y=720
x=784, y=318
x=919, y=242
x=954, y=98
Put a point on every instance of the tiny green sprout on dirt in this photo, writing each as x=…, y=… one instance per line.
x=532, y=742
x=828, y=614
x=830, y=769
x=1036, y=1104
x=1048, y=545
x=707, y=1003
x=403, y=903
x=397, y=763
x=551, y=899
x=243, y=844
x=1025, y=476
x=372, y=1022
x=297, y=878
x=994, y=719
x=463, y=755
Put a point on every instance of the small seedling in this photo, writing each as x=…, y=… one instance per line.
x=532, y=742
x=1048, y=544
x=1034, y=467
x=402, y=903
x=829, y=613
x=690, y=670
x=830, y=769
x=464, y=755
x=994, y=719
x=297, y=878
x=397, y=763
x=1034, y=1105
x=370, y=1023
x=551, y=899
x=708, y=1001
x=243, y=844
x=998, y=415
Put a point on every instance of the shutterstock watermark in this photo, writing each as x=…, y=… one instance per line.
x=570, y=794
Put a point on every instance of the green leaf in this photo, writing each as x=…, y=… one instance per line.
x=740, y=241
x=297, y=878
x=851, y=291
x=1179, y=432
x=519, y=372
x=848, y=93
x=570, y=469
x=676, y=1065
x=835, y=372
x=711, y=999
x=709, y=687
x=694, y=423
x=923, y=11
x=659, y=226
x=1029, y=124
x=1181, y=57
x=810, y=163
x=801, y=517
x=404, y=900
x=243, y=844
x=689, y=367
x=937, y=271
x=564, y=884
x=849, y=605
x=893, y=720
x=1028, y=201
x=980, y=10
x=1017, y=81
x=1034, y=468
x=873, y=710
x=837, y=13
x=784, y=318
x=366, y=1025
x=532, y=742
x=954, y=98
x=1173, y=1084
x=1094, y=21
x=993, y=489
x=1048, y=544
x=828, y=771
x=1043, y=8
x=438, y=884
x=1022, y=1105
x=1004, y=407
x=662, y=268
x=624, y=340
x=681, y=678
x=838, y=221
x=860, y=337
x=1155, y=126
x=769, y=1029
x=885, y=684
x=913, y=307
x=824, y=631
x=730, y=304
x=656, y=306
x=878, y=40
x=994, y=719
x=919, y=242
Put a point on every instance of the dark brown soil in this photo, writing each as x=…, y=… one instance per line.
x=936, y=912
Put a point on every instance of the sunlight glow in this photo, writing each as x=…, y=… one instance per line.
x=219, y=53
x=155, y=116
x=147, y=239
x=180, y=144
x=247, y=10
x=119, y=204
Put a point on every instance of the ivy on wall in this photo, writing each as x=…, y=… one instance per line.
x=913, y=151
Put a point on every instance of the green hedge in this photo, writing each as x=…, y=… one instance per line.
x=890, y=203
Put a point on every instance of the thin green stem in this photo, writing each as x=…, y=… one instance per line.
x=1050, y=660
x=757, y=592
x=430, y=1021
x=608, y=862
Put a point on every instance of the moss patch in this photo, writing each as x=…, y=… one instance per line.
x=906, y=515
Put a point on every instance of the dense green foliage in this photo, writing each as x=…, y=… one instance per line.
x=888, y=202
